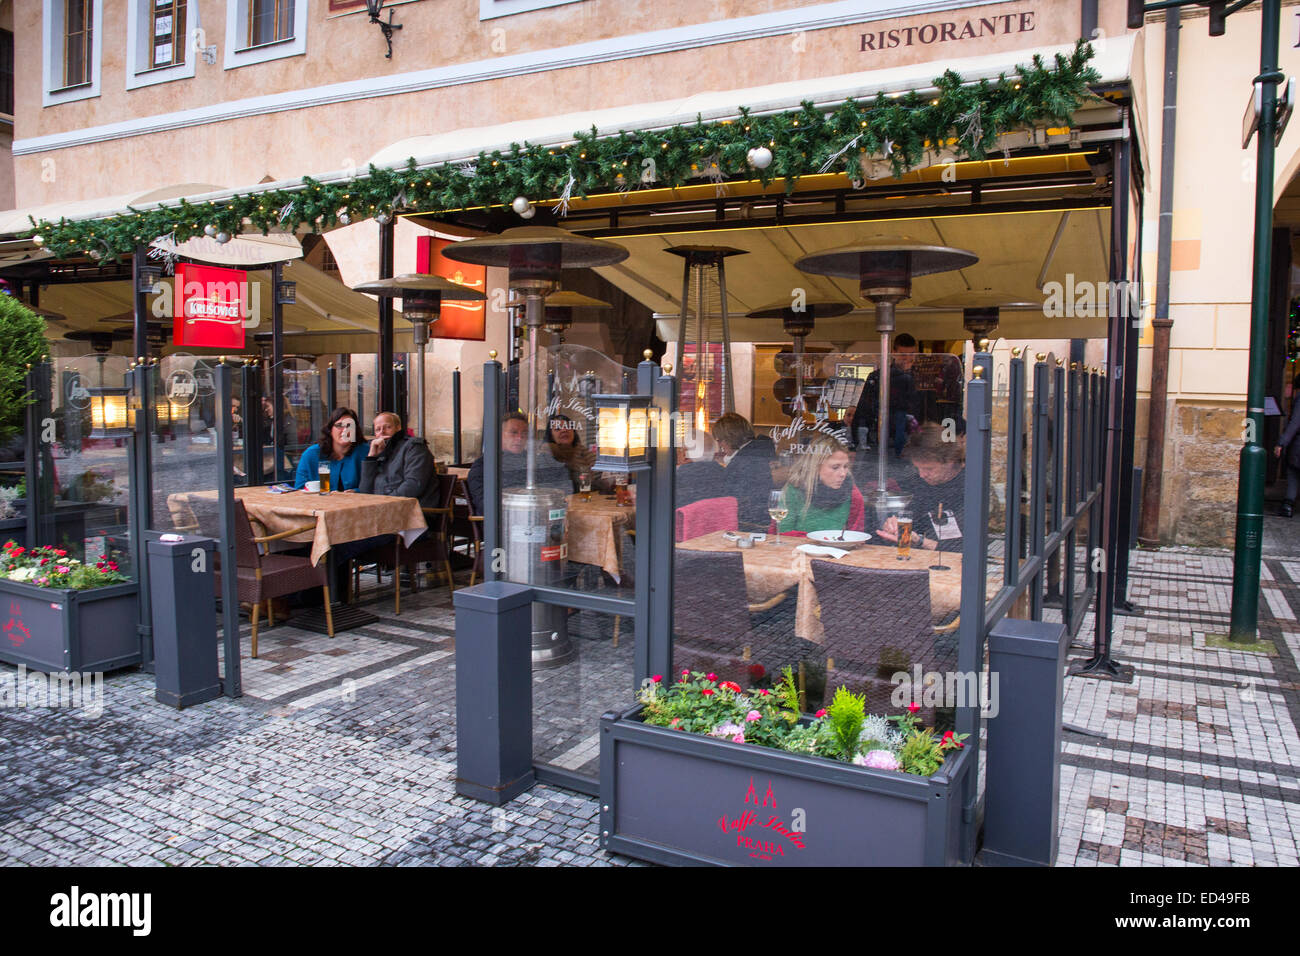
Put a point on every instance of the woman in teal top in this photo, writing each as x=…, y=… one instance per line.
x=340, y=449
x=821, y=495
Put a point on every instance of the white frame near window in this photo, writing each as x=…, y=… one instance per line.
x=239, y=53
x=490, y=9
x=53, y=49
x=140, y=71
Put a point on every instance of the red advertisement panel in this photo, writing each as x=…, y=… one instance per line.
x=460, y=320
x=211, y=306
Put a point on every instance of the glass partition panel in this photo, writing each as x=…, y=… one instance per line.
x=792, y=556
x=185, y=474
x=1000, y=398
x=84, y=473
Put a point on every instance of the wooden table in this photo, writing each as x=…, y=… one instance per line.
x=338, y=517
x=771, y=568
x=594, y=532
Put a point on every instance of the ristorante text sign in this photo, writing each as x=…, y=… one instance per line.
x=210, y=306
x=945, y=31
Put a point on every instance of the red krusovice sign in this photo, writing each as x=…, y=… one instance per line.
x=210, y=306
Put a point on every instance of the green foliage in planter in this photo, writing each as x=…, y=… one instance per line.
x=23, y=333
x=845, y=715
x=47, y=567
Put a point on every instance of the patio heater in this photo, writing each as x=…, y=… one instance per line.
x=421, y=297
x=980, y=309
x=885, y=267
x=536, y=256
x=704, y=295
x=560, y=306
x=798, y=324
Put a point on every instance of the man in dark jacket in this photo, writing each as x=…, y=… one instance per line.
x=902, y=397
x=548, y=472
x=748, y=475
x=398, y=465
x=1288, y=444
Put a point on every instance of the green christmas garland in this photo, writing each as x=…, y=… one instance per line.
x=898, y=129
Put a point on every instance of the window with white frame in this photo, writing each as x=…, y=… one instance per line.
x=161, y=43
x=261, y=30
x=71, y=32
x=489, y=9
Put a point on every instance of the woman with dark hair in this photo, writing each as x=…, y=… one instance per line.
x=565, y=446
x=340, y=448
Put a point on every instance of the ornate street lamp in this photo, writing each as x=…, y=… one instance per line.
x=623, y=424
x=536, y=257
x=884, y=267
x=421, y=297
x=374, y=8
x=798, y=324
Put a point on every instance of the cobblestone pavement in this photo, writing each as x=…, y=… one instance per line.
x=343, y=751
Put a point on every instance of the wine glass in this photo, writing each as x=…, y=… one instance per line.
x=777, y=510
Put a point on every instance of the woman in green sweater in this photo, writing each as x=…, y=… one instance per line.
x=821, y=495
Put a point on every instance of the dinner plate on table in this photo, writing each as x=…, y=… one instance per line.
x=840, y=539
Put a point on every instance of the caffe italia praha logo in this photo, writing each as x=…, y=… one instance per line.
x=760, y=831
x=946, y=31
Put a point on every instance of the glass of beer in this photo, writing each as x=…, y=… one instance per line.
x=905, y=536
x=323, y=472
x=622, y=497
x=584, y=485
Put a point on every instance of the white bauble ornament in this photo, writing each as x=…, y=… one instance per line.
x=383, y=218
x=522, y=206
x=38, y=240
x=344, y=218
x=209, y=231
x=760, y=157
x=222, y=237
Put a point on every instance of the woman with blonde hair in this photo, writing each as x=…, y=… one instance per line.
x=821, y=494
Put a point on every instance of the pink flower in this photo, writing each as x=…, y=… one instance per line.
x=765, y=692
x=685, y=675
x=62, y=569
x=821, y=713
x=707, y=692
x=878, y=760
x=753, y=715
x=913, y=707
x=658, y=678
x=675, y=722
x=738, y=739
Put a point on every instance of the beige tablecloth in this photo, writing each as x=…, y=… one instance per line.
x=594, y=532
x=338, y=517
x=773, y=568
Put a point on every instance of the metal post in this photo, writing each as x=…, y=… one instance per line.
x=492, y=404
x=455, y=417
x=231, y=684
x=728, y=385
x=974, y=576
x=141, y=504
x=1015, y=461
x=1254, y=459
x=882, y=407
x=534, y=312
x=140, y=300
x=277, y=373
x=331, y=390
x=1073, y=453
x=384, y=395
x=662, y=530
x=1038, y=485
x=31, y=457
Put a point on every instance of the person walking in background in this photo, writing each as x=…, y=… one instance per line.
x=902, y=397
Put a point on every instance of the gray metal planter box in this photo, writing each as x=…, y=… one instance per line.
x=53, y=629
x=673, y=797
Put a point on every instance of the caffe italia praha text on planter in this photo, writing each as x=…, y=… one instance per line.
x=976, y=28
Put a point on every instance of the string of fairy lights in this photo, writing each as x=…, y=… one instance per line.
x=899, y=131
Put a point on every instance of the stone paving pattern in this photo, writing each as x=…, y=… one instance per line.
x=343, y=751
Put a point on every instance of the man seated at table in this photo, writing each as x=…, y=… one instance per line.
x=698, y=475
x=749, y=468
x=548, y=473
x=938, y=479
x=397, y=464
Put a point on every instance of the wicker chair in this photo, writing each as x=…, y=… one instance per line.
x=433, y=546
x=262, y=577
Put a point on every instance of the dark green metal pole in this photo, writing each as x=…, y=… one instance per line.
x=1254, y=458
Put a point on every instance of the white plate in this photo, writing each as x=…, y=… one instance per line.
x=842, y=539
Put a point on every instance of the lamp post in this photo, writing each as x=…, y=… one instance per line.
x=884, y=267
x=421, y=297
x=798, y=323
x=536, y=257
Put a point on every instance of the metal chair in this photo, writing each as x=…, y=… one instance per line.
x=262, y=577
x=876, y=623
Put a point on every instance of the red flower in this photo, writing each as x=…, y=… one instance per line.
x=60, y=552
x=913, y=707
x=821, y=713
x=45, y=561
x=707, y=692
x=730, y=685
x=658, y=678
x=685, y=675
x=757, y=671
x=948, y=741
x=765, y=692
x=17, y=551
x=112, y=565
x=711, y=676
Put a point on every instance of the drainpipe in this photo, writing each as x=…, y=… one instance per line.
x=1153, y=473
